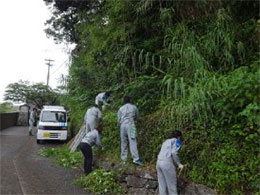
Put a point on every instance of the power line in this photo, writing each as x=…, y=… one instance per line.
x=49, y=65
x=67, y=62
x=64, y=63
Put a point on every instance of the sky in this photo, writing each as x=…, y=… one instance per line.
x=24, y=45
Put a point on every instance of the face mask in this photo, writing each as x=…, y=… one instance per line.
x=178, y=144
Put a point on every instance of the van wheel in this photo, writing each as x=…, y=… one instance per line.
x=38, y=141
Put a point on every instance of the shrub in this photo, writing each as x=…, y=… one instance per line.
x=63, y=156
x=100, y=182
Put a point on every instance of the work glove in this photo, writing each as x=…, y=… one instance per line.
x=181, y=167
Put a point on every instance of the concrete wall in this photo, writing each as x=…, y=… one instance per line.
x=8, y=120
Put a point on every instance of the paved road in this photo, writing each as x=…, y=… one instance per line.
x=23, y=171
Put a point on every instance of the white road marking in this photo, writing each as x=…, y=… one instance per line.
x=20, y=180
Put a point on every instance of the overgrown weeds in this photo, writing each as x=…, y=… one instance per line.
x=100, y=181
x=63, y=156
x=189, y=65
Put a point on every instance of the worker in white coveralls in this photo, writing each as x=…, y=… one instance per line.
x=92, y=118
x=91, y=139
x=166, y=165
x=101, y=99
x=32, y=121
x=127, y=115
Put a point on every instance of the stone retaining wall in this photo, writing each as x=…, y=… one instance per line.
x=138, y=181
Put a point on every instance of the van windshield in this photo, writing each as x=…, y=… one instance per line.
x=53, y=116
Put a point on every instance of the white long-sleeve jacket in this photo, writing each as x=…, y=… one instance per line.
x=32, y=116
x=93, y=114
x=169, y=151
x=127, y=114
x=93, y=139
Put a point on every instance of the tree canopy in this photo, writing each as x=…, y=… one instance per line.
x=24, y=92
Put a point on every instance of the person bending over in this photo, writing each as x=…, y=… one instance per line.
x=166, y=165
x=91, y=139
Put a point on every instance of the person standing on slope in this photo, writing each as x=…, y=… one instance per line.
x=127, y=115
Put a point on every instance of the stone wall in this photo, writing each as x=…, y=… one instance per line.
x=23, y=119
x=138, y=181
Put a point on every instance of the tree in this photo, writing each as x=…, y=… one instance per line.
x=37, y=94
x=6, y=107
x=62, y=24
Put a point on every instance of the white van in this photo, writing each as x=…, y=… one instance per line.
x=53, y=124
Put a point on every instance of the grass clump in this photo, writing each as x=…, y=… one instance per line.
x=100, y=181
x=63, y=156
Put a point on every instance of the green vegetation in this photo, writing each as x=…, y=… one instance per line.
x=189, y=65
x=38, y=94
x=63, y=156
x=100, y=182
x=8, y=107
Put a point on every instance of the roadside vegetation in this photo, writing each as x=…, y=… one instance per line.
x=7, y=107
x=189, y=65
x=63, y=156
x=99, y=181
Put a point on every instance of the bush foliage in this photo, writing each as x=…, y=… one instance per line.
x=189, y=65
x=100, y=182
x=63, y=156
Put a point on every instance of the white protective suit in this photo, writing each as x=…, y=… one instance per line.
x=31, y=121
x=127, y=115
x=100, y=99
x=92, y=118
x=93, y=139
x=166, y=167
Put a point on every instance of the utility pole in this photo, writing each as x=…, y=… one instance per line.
x=49, y=65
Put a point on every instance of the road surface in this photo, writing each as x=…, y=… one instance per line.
x=23, y=171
